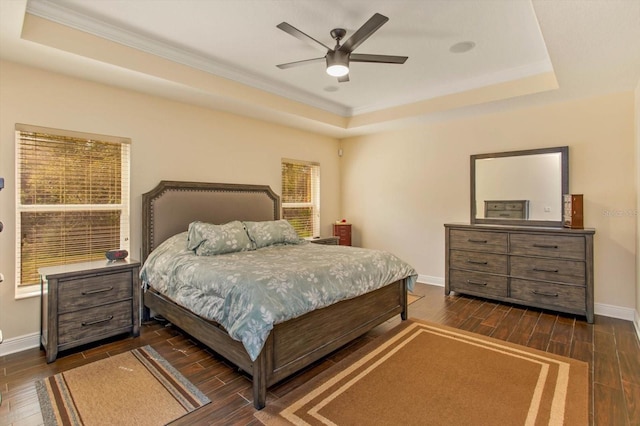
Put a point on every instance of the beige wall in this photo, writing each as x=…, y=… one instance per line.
x=399, y=188
x=637, y=122
x=170, y=141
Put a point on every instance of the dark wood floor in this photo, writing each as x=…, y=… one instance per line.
x=610, y=346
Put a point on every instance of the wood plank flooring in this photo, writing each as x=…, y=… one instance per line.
x=610, y=346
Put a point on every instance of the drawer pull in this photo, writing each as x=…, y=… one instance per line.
x=548, y=246
x=87, y=323
x=471, y=240
x=476, y=262
x=536, y=269
x=100, y=290
x=541, y=293
x=505, y=215
x=481, y=283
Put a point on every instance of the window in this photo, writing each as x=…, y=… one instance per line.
x=72, y=193
x=301, y=196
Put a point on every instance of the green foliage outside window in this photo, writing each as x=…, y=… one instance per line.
x=298, y=203
x=71, y=205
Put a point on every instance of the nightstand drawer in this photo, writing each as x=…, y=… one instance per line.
x=94, y=322
x=86, y=292
x=481, y=262
x=88, y=301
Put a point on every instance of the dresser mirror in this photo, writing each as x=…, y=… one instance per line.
x=519, y=187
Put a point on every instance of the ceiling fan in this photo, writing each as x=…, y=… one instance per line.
x=340, y=56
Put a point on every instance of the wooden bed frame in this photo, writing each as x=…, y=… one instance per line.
x=171, y=206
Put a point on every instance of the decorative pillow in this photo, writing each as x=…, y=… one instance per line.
x=269, y=233
x=208, y=239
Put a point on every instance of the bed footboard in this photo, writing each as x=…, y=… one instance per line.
x=294, y=344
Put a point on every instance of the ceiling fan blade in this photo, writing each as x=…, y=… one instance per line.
x=381, y=59
x=298, y=63
x=343, y=79
x=364, y=32
x=287, y=28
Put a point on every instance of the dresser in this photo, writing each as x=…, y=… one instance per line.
x=506, y=209
x=549, y=268
x=86, y=302
x=343, y=231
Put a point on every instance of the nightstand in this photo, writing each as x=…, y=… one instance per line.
x=85, y=302
x=343, y=231
x=332, y=241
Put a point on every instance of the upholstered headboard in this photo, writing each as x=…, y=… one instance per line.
x=170, y=207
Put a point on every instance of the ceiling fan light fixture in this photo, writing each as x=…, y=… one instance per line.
x=337, y=70
x=337, y=63
x=338, y=57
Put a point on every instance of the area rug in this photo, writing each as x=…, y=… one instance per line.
x=413, y=298
x=138, y=387
x=427, y=374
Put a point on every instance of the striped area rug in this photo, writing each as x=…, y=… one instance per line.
x=427, y=374
x=138, y=387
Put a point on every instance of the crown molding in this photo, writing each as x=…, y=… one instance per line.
x=65, y=16
x=68, y=17
x=498, y=77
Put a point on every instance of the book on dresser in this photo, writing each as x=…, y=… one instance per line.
x=543, y=267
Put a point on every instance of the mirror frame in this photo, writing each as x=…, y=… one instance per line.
x=564, y=161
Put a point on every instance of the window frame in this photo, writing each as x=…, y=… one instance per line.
x=314, y=204
x=31, y=290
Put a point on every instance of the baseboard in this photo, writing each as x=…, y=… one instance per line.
x=628, y=314
x=614, y=311
x=29, y=341
x=426, y=279
x=19, y=344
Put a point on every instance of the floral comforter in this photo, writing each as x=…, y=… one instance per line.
x=250, y=291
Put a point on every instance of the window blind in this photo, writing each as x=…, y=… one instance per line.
x=301, y=196
x=72, y=198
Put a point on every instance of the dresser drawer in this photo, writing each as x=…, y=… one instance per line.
x=477, y=261
x=92, y=291
x=96, y=321
x=478, y=240
x=342, y=231
x=547, y=268
x=505, y=214
x=556, y=246
x=565, y=297
x=504, y=205
x=565, y=271
x=478, y=283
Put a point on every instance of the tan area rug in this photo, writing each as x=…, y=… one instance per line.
x=413, y=298
x=427, y=374
x=138, y=387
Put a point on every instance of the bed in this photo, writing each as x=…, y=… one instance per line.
x=290, y=345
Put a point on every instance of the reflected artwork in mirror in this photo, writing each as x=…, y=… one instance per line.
x=520, y=187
